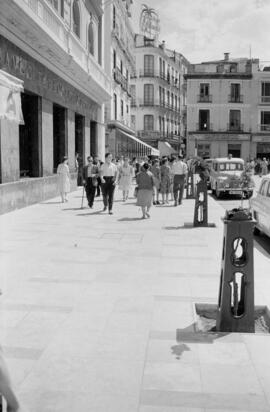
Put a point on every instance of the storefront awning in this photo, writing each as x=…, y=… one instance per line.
x=10, y=97
x=154, y=151
x=166, y=149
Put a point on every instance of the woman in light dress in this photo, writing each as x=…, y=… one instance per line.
x=125, y=178
x=63, y=179
x=165, y=184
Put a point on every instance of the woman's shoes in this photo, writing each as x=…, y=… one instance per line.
x=147, y=214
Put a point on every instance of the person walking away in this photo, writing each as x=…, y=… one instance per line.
x=125, y=178
x=264, y=166
x=165, y=180
x=63, y=179
x=98, y=163
x=108, y=176
x=155, y=170
x=90, y=176
x=179, y=171
x=145, y=182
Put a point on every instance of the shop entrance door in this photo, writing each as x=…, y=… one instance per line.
x=93, y=139
x=30, y=136
x=234, y=150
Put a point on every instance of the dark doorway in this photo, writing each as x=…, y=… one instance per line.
x=59, y=135
x=79, y=135
x=93, y=141
x=30, y=136
x=234, y=150
x=204, y=119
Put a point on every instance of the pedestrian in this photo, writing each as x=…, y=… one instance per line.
x=63, y=179
x=125, y=174
x=165, y=180
x=98, y=163
x=145, y=182
x=179, y=171
x=6, y=389
x=108, y=176
x=90, y=176
x=264, y=166
x=155, y=170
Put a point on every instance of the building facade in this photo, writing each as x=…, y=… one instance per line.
x=56, y=48
x=121, y=137
x=228, y=104
x=158, y=90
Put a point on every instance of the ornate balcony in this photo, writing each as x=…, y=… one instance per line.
x=235, y=99
x=204, y=99
x=205, y=127
x=237, y=127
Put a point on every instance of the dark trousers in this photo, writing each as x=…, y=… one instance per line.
x=108, y=191
x=98, y=186
x=178, y=187
x=90, y=191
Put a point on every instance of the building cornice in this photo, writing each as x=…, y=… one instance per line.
x=243, y=76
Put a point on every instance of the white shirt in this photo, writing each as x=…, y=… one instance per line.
x=179, y=168
x=108, y=170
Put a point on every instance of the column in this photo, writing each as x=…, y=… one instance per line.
x=87, y=138
x=100, y=133
x=47, y=137
x=9, y=151
x=71, y=139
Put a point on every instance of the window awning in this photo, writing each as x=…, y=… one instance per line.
x=10, y=97
x=166, y=149
x=154, y=151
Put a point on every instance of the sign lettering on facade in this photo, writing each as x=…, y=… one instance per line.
x=38, y=79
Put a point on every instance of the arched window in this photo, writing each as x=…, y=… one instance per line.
x=76, y=18
x=91, y=38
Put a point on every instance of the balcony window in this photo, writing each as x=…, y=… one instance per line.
x=266, y=92
x=148, y=122
x=265, y=121
x=114, y=17
x=115, y=105
x=204, y=90
x=91, y=38
x=148, y=94
x=235, y=96
x=76, y=18
x=54, y=3
x=148, y=65
x=122, y=108
x=204, y=120
x=235, y=120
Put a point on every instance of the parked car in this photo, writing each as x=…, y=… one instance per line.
x=226, y=177
x=260, y=207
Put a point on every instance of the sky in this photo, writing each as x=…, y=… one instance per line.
x=205, y=29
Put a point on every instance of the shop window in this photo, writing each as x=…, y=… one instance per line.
x=91, y=38
x=266, y=92
x=30, y=137
x=235, y=120
x=122, y=108
x=93, y=139
x=234, y=150
x=79, y=135
x=148, y=94
x=59, y=135
x=148, y=65
x=76, y=18
x=148, y=122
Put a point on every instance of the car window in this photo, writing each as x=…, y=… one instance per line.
x=263, y=188
x=230, y=166
x=268, y=190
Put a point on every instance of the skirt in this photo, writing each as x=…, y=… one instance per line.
x=145, y=197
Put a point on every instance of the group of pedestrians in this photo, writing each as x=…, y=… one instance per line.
x=156, y=180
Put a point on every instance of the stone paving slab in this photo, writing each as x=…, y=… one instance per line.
x=97, y=312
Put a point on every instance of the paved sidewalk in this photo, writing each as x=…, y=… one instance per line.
x=97, y=312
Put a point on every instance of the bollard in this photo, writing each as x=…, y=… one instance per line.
x=236, y=290
x=190, y=186
x=201, y=205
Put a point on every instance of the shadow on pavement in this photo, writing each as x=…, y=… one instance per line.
x=99, y=212
x=262, y=244
x=51, y=203
x=129, y=219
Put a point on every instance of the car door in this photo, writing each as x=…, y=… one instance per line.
x=258, y=206
x=262, y=206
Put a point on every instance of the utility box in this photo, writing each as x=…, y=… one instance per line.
x=236, y=290
x=201, y=205
x=190, y=185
